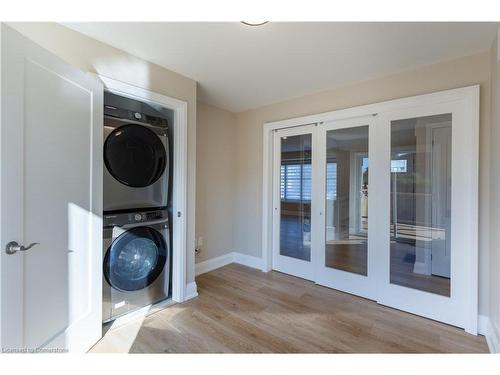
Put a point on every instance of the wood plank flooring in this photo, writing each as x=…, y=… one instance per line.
x=243, y=310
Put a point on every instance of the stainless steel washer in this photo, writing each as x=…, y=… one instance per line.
x=136, y=159
x=136, y=264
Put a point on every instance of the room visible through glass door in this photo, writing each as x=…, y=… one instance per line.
x=427, y=219
x=421, y=203
x=344, y=175
x=293, y=158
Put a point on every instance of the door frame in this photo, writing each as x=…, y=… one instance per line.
x=179, y=223
x=469, y=100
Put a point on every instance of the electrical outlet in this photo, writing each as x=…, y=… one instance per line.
x=198, y=245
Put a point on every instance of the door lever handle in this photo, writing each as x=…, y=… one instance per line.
x=13, y=247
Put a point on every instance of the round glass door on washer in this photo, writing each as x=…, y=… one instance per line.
x=136, y=261
x=136, y=159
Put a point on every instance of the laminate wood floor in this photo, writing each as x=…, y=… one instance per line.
x=243, y=310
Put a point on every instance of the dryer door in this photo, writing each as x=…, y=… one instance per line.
x=134, y=155
x=135, y=259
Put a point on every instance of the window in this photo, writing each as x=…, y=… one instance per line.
x=295, y=182
x=331, y=181
x=398, y=166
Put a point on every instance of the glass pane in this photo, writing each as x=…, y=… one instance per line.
x=135, y=259
x=421, y=203
x=295, y=191
x=347, y=199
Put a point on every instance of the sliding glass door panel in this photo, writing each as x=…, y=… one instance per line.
x=429, y=185
x=421, y=203
x=293, y=201
x=346, y=203
x=345, y=153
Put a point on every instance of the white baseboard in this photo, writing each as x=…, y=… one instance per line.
x=482, y=324
x=191, y=291
x=247, y=260
x=214, y=263
x=489, y=330
x=223, y=260
x=493, y=337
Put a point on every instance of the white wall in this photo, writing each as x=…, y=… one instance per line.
x=446, y=75
x=215, y=171
x=92, y=56
x=494, y=310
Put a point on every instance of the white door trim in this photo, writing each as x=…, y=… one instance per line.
x=179, y=107
x=470, y=98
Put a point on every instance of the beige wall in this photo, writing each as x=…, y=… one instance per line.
x=93, y=56
x=495, y=193
x=228, y=150
x=215, y=171
x=447, y=75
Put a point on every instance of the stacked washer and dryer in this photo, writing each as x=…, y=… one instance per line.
x=137, y=256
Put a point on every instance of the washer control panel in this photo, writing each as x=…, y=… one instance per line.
x=120, y=219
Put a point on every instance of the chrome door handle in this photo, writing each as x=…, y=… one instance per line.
x=13, y=247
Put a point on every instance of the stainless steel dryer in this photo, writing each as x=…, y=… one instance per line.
x=136, y=159
x=136, y=264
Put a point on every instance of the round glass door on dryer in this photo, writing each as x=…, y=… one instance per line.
x=136, y=159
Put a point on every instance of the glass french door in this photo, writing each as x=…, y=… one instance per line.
x=427, y=193
x=382, y=207
x=345, y=254
x=293, y=200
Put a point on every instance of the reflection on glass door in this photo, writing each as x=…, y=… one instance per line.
x=420, y=233
x=346, y=243
x=295, y=196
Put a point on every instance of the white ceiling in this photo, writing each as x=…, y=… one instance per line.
x=239, y=67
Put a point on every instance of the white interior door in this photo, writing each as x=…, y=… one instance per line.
x=51, y=194
x=294, y=201
x=346, y=256
x=428, y=181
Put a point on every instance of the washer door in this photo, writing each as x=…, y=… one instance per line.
x=135, y=259
x=134, y=155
